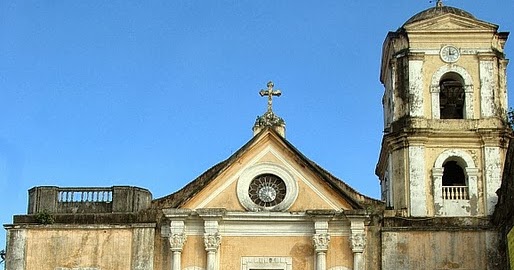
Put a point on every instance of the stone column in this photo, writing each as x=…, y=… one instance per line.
x=321, y=241
x=434, y=93
x=177, y=243
x=176, y=234
x=212, y=242
x=358, y=239
x=177, y=240
x=211, y=237
x=321, y=237
x=469, y=112
x=437, y=178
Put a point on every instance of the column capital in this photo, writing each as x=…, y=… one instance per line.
x=437, y=172
x=358, y=231
x=435, y=88
x=177, y=242
x=321, y=241
x=358, y=241
x=212, y=242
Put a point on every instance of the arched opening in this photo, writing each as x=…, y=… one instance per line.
x=454, y=182
x=453, y=174
x=451, y=96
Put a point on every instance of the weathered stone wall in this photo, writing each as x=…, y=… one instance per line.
x=439, y=243
x=116, y=199
x=50, y=247
x=373, y=256
x=504, y=213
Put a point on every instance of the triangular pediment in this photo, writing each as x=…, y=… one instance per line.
x=450, y=22
x=306, y=186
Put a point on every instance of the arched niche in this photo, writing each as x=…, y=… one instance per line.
x=457, y=74
x=460, y=200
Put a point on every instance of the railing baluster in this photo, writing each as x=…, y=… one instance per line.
x=83, y=195
x=455, y=193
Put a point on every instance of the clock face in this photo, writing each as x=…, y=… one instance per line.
x=449, y=54
x=267, y=190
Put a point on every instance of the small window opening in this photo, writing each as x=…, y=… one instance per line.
x=451, y=96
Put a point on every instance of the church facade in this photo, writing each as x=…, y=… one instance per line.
x=268, y=206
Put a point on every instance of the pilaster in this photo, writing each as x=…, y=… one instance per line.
x=321, y=237
x=358, y=238
x=212, y=237
x=176, y=234
x=487, y=84
x=416, y=102
x=417, y=196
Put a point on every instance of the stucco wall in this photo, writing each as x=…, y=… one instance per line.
x=50, y=247
x=439, y=250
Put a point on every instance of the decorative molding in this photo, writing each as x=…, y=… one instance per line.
x=463, y=51
x=301, y=177
x=255, y=162
x=77, y=268
x=249, y=174
x=212, y=241
x=258, y=223
x=177, y=242
x=340, y=268
x=358, y=241
x=463, y=154
x=358, y=233
x=232, y=179
x=249, y=263
x=321, y=241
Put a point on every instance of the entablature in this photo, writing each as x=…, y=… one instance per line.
x=239, y=223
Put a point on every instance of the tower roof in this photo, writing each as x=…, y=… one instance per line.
x=439, y=10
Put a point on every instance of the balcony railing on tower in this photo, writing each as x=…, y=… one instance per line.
x=455, y=193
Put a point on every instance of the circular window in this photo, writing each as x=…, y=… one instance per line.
x=267, y=190
x=266, y=186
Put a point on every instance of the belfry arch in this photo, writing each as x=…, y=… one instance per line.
x=452, y=85
x=452, y=197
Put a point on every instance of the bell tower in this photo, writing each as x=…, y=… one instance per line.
x=445, y=105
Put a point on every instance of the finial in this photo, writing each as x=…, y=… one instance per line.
x=270, y=93
x=270, y=119
x=439, y=3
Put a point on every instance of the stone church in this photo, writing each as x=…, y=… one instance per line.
x=268, y=206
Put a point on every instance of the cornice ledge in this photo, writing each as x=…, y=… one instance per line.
x=177, y=213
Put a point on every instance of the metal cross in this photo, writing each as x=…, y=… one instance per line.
x=270, y=93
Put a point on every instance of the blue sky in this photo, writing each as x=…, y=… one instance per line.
x=153, y=93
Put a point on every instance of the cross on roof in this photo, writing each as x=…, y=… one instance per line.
x=270, y=93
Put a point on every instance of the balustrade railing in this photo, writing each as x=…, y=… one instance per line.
x=114, y=199
x=455, y=193
x=83, y=195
